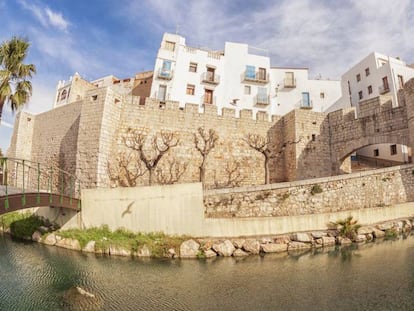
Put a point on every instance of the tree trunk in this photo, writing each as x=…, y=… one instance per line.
x=202, y=171
x=266, y=167
x=150, y=172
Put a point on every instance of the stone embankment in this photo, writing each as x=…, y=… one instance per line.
x=240, y=247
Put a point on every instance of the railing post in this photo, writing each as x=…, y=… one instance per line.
x=24, y=194
x=38, y=184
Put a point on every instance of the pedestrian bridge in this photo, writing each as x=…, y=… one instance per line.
x=25, y=184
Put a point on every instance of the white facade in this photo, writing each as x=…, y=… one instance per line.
x=235, y=78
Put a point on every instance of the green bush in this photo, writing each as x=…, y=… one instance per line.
x=347, y=228
x=24, y=228
x=316, y=189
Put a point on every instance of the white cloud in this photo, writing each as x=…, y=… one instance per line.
x=46, y=16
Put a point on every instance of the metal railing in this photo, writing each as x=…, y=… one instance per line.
x=165, y=74
x=210, y=77
x=19, y=176
x=306, y=104
x=257, y=77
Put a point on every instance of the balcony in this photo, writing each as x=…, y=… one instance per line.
x=383, y=89
x=165, y=74
x=210, y=77
x=208, y=100
x=257, y=77
x=290, y=83
x=306, y=104
x=261, y=100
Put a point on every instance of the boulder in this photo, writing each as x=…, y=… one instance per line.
x=238, y=243
x=369, y=236
x=265, y=240
x=210, y=253
x=361, y=238
x=332, y=233
x=115, y=250
x=365, y=230
x=43, y=229
x=50, y=239
x=301, y=237
x=67, y=243
x=36, y=236
x=328, y=241
x=225, y=248
x=89, y=247
x=189, y=249
x=252, y=246
x=171, y=253
x=283, y=239
x=240, y=253
x=318, y=235
x=344, y=241
x=377, y=233
x=274, y=248
x=205, y=244
x=385, y=226
x=144, y=252
x=298, y=245
x=318, y=241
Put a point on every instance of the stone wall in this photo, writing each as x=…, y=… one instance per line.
x=369, y=189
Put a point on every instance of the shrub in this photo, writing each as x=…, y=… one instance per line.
x=316, y=189
x=348, y=228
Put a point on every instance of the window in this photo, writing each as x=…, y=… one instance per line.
x=313, y=137
x=94, y=97
x=262, y=74
x=367, y=72
x=306, y=100
x=250, y=72
x=162, y=92
x=400, y=81
x=193, y=67
x=247, y=89
x=376, y=152
x=208, y=96
x=210, y=74
x=358, y=77
x=63, y=95
x=349, y=88
x=370, y=89
x=360, y=95
x=289, y=79
x=385, y=83
x=166, y=69
x=190, y=89
x=170, y=46
x=393, y=149
x=322, y=95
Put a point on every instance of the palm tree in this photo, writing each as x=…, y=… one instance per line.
x=15, y=88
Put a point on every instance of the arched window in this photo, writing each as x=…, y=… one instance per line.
x=63, y=95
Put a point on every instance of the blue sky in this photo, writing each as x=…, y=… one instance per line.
x=101, y=37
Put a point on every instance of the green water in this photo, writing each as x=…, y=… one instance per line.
x=376, y=276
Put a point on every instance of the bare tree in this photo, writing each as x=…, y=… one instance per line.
x=264, y=146
x=171, y=172
x=161, y=143
x=233, y=175
x=126, y=170
x=204, y=142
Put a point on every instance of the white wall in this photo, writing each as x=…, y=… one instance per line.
x=385, y=152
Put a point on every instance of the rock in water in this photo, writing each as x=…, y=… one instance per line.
x=189, y=249
x=252, y=246
x=225, y=248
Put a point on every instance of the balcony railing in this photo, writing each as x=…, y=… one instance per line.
x=383, y=89
x=261, y=100
x=305, y=104
x=208, y=100
x=165, y=74
x=210, y=77
x=290, y=83
x=257, y=77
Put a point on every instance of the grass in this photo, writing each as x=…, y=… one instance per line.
x=21, y=225
x=158, y=243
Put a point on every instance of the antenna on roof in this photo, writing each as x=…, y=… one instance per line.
x=177, y=28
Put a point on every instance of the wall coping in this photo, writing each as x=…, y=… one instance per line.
x=320, y=180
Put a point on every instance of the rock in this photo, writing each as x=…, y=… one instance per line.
x=89, y=247
x=318, y=241
x=298, y=245
x=43, y=229
x=385, y=226
x=189, y=249
x=210, y=253
x=361, y=238
x=171, y=253
x=332, y=233
x=67, y=243
x=58, y=238
x=344, y=241
x=252, y=246
x=144, y=252
x=265, y=240
x=301, y=237
x=283, y=239
x=369, y=237
x=115, y=250
x=365, y=230
x=225, y=248
x=206, y=244
x=378, y=233
x=238, y=243
x=36, y=236
x=50, y=239
x=318, y=235
x=274, y=248
x=328, y=241
x=240, y=253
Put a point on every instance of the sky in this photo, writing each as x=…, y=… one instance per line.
x=102, y=37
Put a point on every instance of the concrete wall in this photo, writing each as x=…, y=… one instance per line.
x=178, y=210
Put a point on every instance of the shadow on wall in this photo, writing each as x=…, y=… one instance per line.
x=65, y=218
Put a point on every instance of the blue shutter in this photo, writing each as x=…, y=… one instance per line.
x=305, y=99
x=250, y=72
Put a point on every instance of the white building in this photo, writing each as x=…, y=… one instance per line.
x=239, y=77
x=376, y=75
